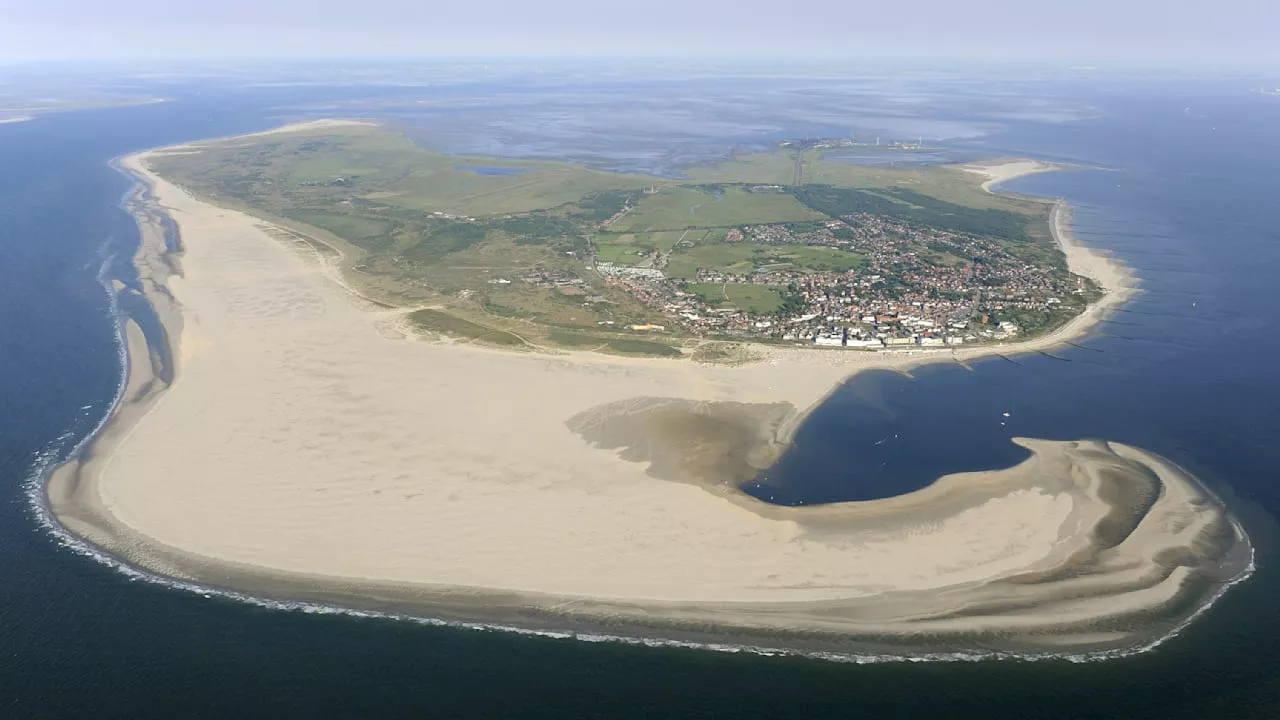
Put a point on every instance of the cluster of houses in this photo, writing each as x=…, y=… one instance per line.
x=915, y=287
x=890, y=324
x=609, y=269
x=804, y=234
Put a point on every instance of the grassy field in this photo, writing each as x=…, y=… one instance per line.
x=807, y=257
x=737, y=259
x=614, y=345
x=662, y=240
x=348, y=225
x=386, y=168
x=776, y=168
x=631, y=248
x=944, y=182
x=742, y=258
x=620, y=254
x=947, y=183
x=446, y=324
x=756, y=299
x=549, y=308
x=682, y=206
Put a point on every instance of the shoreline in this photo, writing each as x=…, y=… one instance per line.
x=734, y=395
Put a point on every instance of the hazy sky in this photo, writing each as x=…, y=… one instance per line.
x=1221, y=32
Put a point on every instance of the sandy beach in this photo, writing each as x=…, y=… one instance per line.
x=299, y=445
x=1003, y=171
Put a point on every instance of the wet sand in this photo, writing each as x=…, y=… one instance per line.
x=307, y=449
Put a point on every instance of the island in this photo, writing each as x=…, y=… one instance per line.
x=787, y=246
x=383, y=390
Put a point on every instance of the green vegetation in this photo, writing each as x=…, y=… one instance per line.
x=631, y=248
x=506, y=258
x=755, y=299
x=597, y=207
x=539, y=309
x=743, y=257
x=946, y=183
x=775, y=168
x=914, y=208
x=806, y=257
x=389, y=169
x=620, y=346
x=1037, y=322
x=445, y=324
x=622, y=254
x=737, y=259
x=678, y=207
x=643, y=347
x=356, y=227
x=723, y=353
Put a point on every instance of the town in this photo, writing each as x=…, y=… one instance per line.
x=914, y=286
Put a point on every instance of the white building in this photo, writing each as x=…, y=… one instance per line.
x=864, y=344
x=613, y=269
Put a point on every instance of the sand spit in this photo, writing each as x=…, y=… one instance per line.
x=998, y=172
x=300, y=453
x=310, y=125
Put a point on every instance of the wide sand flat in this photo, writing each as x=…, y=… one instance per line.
x=305, y=437
x=999, y=172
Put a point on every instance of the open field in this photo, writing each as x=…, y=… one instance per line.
x=680, y=207
x=630, y=248
x=756, y=299
x=359, y=229
x=742, y=257
x=539, y=309
x=770, y=168
x=945, y=182
x=736, y=259
x=438, y=322
x=663, y=240
x=396, y=172
x=612, y=344
x=807, y=257
x=623, y=254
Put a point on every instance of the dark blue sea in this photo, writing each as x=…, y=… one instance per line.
x=1183, y=186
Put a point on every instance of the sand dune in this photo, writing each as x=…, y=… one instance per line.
x=307, y=450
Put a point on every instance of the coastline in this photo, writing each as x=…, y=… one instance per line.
x=764, y=400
